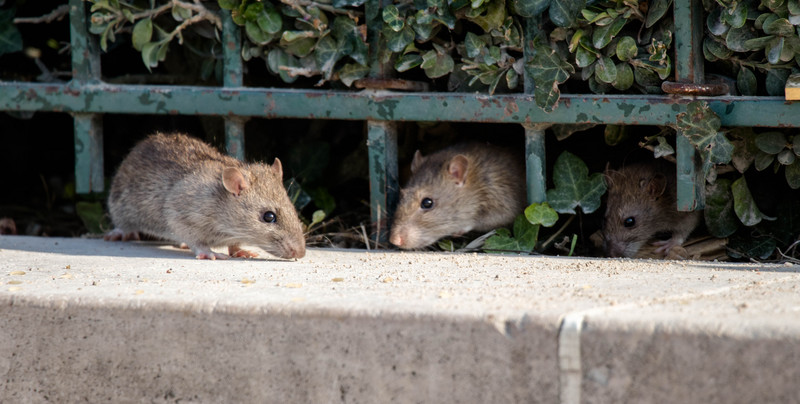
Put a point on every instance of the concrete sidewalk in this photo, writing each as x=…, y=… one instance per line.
x=87, y=320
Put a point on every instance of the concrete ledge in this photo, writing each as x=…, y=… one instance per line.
x=87, y=320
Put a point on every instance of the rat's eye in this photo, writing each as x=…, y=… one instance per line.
x=426, y=203
x=629, y=222
x=270, y=217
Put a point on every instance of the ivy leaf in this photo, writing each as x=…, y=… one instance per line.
x=529, y=8
x=408, y=62
x=657, y=10
x=744, y=148
x=565, y=13
x=771, y=142
x=524, y=239
x=397, y=41
x=541, y=213
x=142, y=33
x=574, y=187
x=744, y=205
x=548, y=70
x=720, y=218
x=663, y=148
x=473, y=44
x=493, y=19
x=326, y=54
x=391, y=16
x=437, y=64
x=701, y=126
x=352, y=72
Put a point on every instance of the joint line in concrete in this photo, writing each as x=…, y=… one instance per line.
x=569, y=358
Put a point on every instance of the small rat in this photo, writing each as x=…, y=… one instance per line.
x=462, y=188
x=178, y=188
x=642, y=203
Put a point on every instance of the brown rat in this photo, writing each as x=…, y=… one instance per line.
x=178, y=188
x=456, y=190
x=642, y=202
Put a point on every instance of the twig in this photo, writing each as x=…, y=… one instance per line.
x=556, y=234
x=364, y=234
x=57, y=14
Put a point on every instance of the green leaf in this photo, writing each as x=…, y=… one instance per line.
x=326, y=54
x=524, y=239
x=548, y=70
x=529, y=8
x=720, y=218
x=92, y=215
x=786, y=157
x=744, y=148
x=512, y=78
x=701, y=126
x=771, y=142
x=142, y=33
x=256, y=35
x=493, y=19
x=615, y=134
x=180, y=14
x=746, y=81
x=408, y=62
x=228, y=4
x=744, y=205
x=624, y=78
x=774, y=5
x=715, y=24
x=717, y=49
x=657, y=10
x=574, y=187
x=277, y=58
x=585, y=55
x=605, y=70
x=541, y=213
x=737, y=16
x=626, y=48
x=779, y=26
x=352, y=72
x=602, y=35
x=397, y=41
x=437, y=64
x=473, y=44
x=663, y=148
x=737, y=38
x=270, y=21
x=763, y=160
x=774, y=50
x=793, y=174
x=392, y=17
x=565, y=13
x=317, y=217
x=776, y=81
x=150, y=54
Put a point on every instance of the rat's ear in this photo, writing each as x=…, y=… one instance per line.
x=277, y=167
x=458, y=169
x=657, y=185
x=233, y=180
x=416, y=161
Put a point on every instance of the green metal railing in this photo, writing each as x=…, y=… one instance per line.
x=86, y=97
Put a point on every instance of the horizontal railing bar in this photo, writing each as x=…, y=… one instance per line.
x=383, y=105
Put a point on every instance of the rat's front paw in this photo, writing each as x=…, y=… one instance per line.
x=207, y=254
x=664, y=246
x=119, y=235
x=237, y=252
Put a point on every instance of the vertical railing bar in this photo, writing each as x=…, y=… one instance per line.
x=688, y=16
x=381, y=137
x=232, y=76
x=535, y=168
x=88, y=128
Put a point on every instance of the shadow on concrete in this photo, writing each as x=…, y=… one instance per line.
x=101, y=248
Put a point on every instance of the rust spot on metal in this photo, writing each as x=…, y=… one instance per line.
x=692, y=89
x=391, y=84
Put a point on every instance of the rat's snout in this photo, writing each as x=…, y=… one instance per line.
x=613, y=248
x=297, y=251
